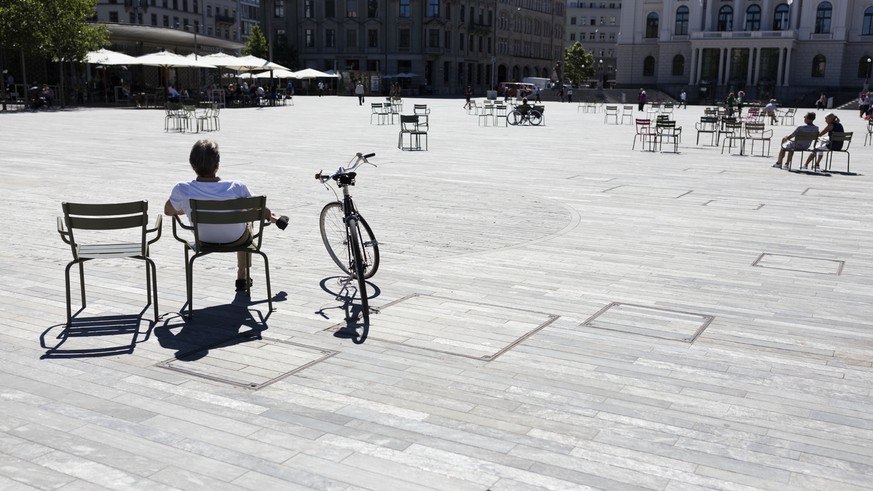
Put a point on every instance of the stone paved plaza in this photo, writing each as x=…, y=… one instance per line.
x=555, y=311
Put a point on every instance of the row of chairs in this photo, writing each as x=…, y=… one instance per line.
x=184, y=117
x=627, y=114
x=652, y=137
x=85, y=228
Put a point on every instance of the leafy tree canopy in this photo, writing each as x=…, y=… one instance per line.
x=56, y=29
x=256, y=44
x=578, y=63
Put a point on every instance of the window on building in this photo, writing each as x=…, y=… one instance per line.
x=823, y=18
x=330, y=38
x=652, y=25
x=166, y=21
x=865, y=65
x=372, y=8
x=309, y=38
x=678, y=66
x=433, y=8
x=572, y=36
x=403, y=40
x=330, y=8
x=681, y=28
x=753, y=18
x=461, y=41
x=433, y=38
x=351, y=8
x=819, y=63
x=279, y=9
x=308, y=9
x=447, y=40
x=780, y=17
x=867, y=27
x=372, y=38
x=113, y=17
x=404, y=8
x=155, y=20
x=196, y=4
x=649, y=66
x=725, y=18
x=447, y=66
x=351, y=38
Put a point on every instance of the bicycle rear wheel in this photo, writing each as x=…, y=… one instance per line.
x=535, y=117
x=357, y=255
x=333, y=234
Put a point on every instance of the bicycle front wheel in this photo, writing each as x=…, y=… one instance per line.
x=336, y=241
x=514, y=117
x=357, y=255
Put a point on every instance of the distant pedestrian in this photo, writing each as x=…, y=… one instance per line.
x=537, y=93
x=822, y=102
x=683, y=99
x=642, y=100
x=561, y=93
x=570, y=94
x=320, y=89
x=468, y=94
x=359, y=91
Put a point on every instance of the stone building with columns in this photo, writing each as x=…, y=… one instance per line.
x=768, y=48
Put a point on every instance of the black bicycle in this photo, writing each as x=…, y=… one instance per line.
x=532, y=115
x=346, y=235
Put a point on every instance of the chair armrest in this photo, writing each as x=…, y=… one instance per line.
x=177, y=223
x=767, y=134
x=159, y=221
x=65, y=234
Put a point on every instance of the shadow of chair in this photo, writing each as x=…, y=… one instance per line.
x=249, y=212
x=844, y=139
x=755, y=132
x=409, y=126
x=95, y=222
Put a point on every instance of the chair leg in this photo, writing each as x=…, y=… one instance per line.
x=153, y=284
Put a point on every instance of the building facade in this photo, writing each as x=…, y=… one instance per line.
x=444, y=44
x=596, y=26
x=768, y=48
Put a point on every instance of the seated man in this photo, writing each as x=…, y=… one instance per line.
x=789, y=146
x=173, y=94
x=204, y=159
x=524, y=107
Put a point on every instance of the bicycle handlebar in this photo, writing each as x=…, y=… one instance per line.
x=361, y=159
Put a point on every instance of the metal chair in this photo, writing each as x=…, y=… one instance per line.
x=869, y=136
x=611, y=112
x=707, y=124
x=667, y=130
x=756, y=132
x=733, y=133
x=124, y=219
x=248, y=211
x=787, y=116
x=627, y=112
x=646, y=134
x=805, y=139
x=844, y=139
x=409, y=126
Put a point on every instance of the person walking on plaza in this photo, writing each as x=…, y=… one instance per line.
x=537, y=92
x=570, y=94
x=359, y=91
x=770, y=110
x=642, y=100
x=789, y=146
x=204, y=159
x=468, y=94
x=682, y=99
x=833, y=124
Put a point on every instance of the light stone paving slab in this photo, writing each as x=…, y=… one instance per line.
x=563, y=219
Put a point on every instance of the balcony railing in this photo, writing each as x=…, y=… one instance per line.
x=225, y=19
x=481, y=27
x=742, y=34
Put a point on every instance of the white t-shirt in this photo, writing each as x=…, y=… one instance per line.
x=183, y=192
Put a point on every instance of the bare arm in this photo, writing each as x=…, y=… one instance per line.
x=170, y=211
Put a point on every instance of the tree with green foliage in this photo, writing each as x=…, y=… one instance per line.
x=256, y=44
x=55, y=29
x=578, y=64
x=283, y=53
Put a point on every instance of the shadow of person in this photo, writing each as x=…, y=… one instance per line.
x=210, y=328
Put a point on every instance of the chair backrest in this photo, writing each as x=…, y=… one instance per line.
x=754, y=129
x=104, y=217
x=643, y=126
x=612, y=109
x=805, y=136
x=840, y=136
x=421, y=109
x=376, y=107
x=408, y=122
x=230, y=211
x=627, y=108
x=665, y=123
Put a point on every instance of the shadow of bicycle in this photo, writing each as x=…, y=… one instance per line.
x=345, y=290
